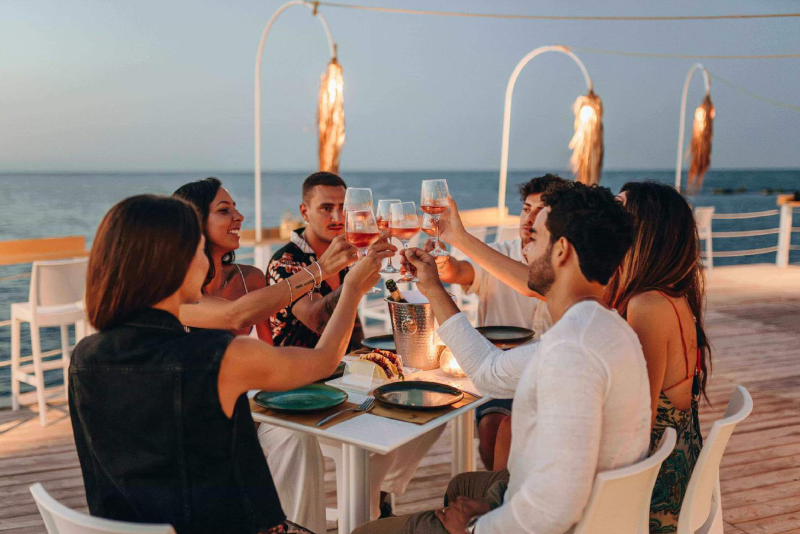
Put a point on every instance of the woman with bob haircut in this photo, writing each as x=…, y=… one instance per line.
x=161, y=421
x=659, y=290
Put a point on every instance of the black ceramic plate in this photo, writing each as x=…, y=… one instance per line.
x=418, y=395
x=380, y=342
x=506, y=335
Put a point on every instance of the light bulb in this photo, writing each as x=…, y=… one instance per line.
x=586, y=113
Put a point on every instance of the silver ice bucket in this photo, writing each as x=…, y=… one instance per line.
x=413, y=329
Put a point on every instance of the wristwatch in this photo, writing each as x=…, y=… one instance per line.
x=471, y=524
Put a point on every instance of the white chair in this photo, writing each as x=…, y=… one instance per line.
x=620, y=499
x=701, y=511
x=55, y=299
x=704, y=218
x=62, y=520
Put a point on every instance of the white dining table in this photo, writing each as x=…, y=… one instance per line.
x=368, y=433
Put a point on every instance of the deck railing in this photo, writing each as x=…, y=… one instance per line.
x=784, y=231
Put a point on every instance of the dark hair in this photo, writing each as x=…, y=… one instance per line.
x=200, y=194
x=665, y=255
x=321, y=178
x=594, y=222
x=140, y=256
x=538, y=185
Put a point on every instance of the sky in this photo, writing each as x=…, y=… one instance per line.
x=154, y=85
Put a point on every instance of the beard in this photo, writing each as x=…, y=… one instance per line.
x=541, y=275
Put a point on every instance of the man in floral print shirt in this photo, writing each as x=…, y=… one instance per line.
x=302, y=323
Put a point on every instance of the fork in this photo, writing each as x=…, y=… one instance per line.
x=365, y=406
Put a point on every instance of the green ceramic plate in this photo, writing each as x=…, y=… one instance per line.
x=418, y=395
x=305, y=399
x=380, y=342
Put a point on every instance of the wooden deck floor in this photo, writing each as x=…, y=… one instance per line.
x=754, y=326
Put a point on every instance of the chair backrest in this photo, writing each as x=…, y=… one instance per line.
x=620, y=500
x=58, y=282
x=697, y=501
x=62, y=520
x=506, y=233
x=704, y=217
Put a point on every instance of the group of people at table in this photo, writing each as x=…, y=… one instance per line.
x=612, y=286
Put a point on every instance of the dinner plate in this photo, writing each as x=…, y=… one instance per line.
x=418, y=395
x=304, y=399
x=380, y=342
x=507, y=336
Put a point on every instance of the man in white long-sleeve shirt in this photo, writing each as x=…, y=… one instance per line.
x=582, y=398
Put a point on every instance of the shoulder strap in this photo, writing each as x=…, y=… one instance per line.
x=680, y=327
x=240, y=274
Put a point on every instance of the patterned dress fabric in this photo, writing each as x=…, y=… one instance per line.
x=676, y=470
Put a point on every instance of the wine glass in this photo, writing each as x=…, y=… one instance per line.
x=361, y=231
x=404, y=224
x=358, y=199
x=382, y=217
x=435, y=201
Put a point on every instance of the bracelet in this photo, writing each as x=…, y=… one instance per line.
x=320, y=276
x=311, y=291
x=291, y=297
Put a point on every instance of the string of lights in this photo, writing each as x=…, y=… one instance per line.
x=751, y=94
x=556, y=17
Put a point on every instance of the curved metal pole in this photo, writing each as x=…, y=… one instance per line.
x=257, y=117
x=679, y=164
x=501, y=195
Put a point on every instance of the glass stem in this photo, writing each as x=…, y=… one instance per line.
x=436, y=222
x=391, y=259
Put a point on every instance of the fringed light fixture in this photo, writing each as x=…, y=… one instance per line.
x=330, y=117
x=587, y=143
x=702, y=133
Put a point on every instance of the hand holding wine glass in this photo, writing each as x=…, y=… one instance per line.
x=404, y=225
x=435, y=201
x=361, y=231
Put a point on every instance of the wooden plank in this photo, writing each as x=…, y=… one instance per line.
x=49, y=248
x=754, y=512
x=773, y=525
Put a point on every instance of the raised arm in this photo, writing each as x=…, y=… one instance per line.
x=251, y=364
x=317, y=313
x=258, y=306
x=494, y=372
x=509, y=271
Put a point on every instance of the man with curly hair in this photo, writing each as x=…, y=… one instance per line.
x=582, y=394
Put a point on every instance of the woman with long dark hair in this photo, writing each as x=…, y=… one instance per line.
x=659, y=289
x=222, y=223
x=160, y=416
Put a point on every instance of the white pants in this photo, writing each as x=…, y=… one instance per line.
x=297, y=468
